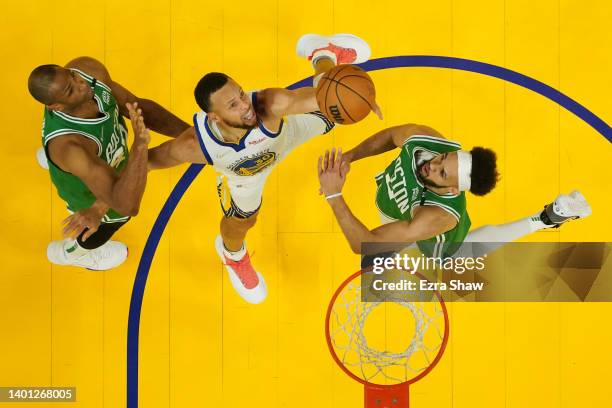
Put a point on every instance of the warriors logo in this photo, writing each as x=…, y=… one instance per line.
x=249, y=166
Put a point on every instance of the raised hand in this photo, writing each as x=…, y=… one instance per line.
x=141, y=133
x=332, y=171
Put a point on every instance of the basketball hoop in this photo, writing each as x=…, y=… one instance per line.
x=386, y=375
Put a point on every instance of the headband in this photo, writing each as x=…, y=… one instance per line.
x=464, y=173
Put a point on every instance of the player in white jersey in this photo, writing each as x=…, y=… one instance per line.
x=243, y=135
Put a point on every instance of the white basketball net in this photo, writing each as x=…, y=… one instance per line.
x=348, y=320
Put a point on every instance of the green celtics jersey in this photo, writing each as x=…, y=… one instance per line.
x=400, y=190
x=108, y=132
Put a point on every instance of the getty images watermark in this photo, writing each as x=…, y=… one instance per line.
x=488, y=272
x=403, y=272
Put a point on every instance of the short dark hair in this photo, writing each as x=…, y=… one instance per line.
x=484, y=171
x=39, y=81
x=209, y=84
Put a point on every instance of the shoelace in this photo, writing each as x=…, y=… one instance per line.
x=244, y=270
x=99, y=254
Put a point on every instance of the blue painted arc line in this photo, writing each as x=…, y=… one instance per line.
x=185, y=181
x=497, y=72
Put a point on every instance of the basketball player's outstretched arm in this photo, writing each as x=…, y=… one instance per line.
x=427, y=222
x=183, y=149
x=387, y=139
x=157, y=117
x=278, y=102
x=122, y=192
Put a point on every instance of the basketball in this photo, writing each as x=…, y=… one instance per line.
x=346, y=94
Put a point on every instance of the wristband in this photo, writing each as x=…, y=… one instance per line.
x=329, y=197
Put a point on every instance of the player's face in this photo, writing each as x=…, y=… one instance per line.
x=232, y=106
x=441, y=171
x=69, y=90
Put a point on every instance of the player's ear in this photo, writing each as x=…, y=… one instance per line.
x=213, y=116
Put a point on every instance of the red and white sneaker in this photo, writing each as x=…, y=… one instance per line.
x=341, y=48
x=249, y=283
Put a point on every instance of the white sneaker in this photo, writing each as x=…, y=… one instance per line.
x=565, y=208
x=249, y=283
x=341, y=48
x=108, y=256
x=41, y=158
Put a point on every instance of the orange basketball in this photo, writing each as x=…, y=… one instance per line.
x=346, y=94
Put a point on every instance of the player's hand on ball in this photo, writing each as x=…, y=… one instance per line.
x=332, y=170
x=87, y=219
x=141, y=133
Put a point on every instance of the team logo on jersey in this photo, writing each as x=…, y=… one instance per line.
x=115, y=152
x=396, y=187
x=105, y=97
x=118, y=157
x=251, y=165
x=415, y=193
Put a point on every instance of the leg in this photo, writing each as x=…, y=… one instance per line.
x=491, y=237
x=322, y=65
x=240, y=202
x=101, y=236
x=234, y=230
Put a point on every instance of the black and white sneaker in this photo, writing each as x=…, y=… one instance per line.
x=564, y=208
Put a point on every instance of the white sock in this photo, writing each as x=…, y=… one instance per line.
x=235, y=255
x=507, y=232
x=490, y=237
x=72, y=249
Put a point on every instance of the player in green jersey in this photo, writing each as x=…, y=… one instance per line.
x=85, y=144
x=421, y=194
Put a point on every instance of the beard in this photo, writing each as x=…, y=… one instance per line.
x=241, y=125
x=427, y=182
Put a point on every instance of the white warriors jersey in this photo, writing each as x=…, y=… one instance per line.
x=260, y=149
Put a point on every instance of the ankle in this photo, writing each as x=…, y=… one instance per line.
x=234, y=255
x=323, y=61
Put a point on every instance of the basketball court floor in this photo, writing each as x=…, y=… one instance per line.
x=199, y=344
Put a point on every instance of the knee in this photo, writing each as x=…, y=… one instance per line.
x=250, y=221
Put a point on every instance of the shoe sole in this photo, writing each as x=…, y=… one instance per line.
x=568, y=202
